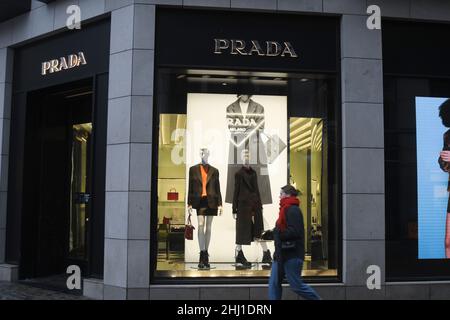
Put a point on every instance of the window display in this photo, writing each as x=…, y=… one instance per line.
x=226, y=146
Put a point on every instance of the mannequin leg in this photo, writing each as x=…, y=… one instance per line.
x=267, y=256
x=208, y=227
x=263, y=246
x=201, y=233
x=447, y=237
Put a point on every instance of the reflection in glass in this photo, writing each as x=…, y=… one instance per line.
x=79, y=193
x=171, y=190
x=306, y=170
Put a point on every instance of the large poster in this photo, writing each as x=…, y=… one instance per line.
x=433, y=167
x=227, y=127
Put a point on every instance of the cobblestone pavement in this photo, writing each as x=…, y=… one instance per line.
x=16, y=291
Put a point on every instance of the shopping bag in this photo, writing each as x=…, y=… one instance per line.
x=172, y=195
x=189, y=229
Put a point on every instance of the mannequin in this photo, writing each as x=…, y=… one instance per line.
x=247, y=211
x=204, y=196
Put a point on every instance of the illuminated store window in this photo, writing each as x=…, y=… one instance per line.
x=227, y=142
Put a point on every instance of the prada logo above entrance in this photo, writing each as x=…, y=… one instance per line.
x=254, y=47
x=63, y=63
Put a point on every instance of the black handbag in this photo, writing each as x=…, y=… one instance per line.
x=267, y=235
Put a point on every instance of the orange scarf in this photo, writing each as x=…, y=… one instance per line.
x=204, y=173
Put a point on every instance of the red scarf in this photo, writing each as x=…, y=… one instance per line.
x=285, y=203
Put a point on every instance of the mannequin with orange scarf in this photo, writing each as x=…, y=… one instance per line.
x=204, y=196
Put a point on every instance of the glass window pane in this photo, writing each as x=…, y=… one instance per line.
x=227, y=142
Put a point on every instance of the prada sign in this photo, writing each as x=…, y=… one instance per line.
x=63, y=63
x=254, y=47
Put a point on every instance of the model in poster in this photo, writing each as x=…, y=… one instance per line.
x=444, y=162
x=247, y=210
x=205, y=197
x=246, y=121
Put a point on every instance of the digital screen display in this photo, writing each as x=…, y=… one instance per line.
x=433, y=143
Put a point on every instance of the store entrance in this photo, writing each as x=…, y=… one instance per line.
x=57, y=180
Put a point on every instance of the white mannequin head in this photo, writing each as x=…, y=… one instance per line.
x=204, y=155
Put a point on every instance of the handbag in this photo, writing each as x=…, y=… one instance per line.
x=172, y=195
x=166, y=220
x=267, y=235
x=274, y=147
x=189, y=229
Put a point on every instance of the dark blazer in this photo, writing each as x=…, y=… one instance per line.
x=295, y=232
x=212, y=187
x=247, y=205
x=246, y=191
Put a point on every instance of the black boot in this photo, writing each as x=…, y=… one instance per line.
x=266, y=260
x=267, y=257
x=201, y=263
x=206, y=259
x=241, y=261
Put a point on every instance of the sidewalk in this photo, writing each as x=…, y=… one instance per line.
x=15, y=291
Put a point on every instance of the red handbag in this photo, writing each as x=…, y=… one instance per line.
x=166, y=220
x=189, y=229
x=172, y=195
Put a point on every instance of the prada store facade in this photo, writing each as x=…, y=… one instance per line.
x=149, y=147
x=178, y=172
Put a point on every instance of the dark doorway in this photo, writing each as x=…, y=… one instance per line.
x=57, y=179
x=57, y=157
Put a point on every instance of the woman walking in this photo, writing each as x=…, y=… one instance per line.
x=289, y=237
